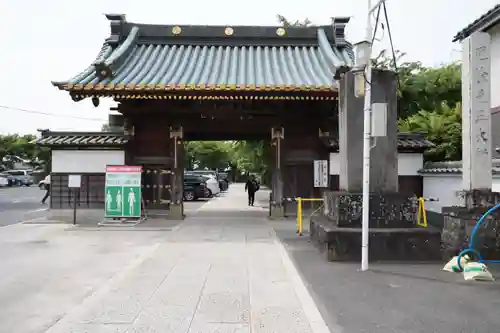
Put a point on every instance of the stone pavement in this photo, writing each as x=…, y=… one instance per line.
x=223, y=270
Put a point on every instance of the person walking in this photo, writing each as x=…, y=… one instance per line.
x=46, y=184
x=251, y=187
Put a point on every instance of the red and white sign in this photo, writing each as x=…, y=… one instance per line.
x=123, y=168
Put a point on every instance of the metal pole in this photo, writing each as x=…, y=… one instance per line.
x=75, y=190
x=366, y=146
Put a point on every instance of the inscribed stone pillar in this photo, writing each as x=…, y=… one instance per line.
x=476, y=115
x=384, y=158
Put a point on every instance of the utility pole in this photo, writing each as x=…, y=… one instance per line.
x=367, y=137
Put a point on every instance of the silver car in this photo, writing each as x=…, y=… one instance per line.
x=23, y=177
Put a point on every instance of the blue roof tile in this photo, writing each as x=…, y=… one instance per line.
x=148, y=57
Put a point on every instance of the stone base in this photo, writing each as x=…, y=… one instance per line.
x=402, y=244
x=460, y=221
x=387, y=210
x=276, y=212
x=176, y=212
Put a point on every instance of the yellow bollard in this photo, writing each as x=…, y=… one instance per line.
x=422, y=214
x=299, y=216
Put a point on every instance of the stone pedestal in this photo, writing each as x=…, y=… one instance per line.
x=176, y=212
x=277, y=208
x=387, y=210
x=460, y=221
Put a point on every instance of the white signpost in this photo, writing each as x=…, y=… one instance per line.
x=321, y=173
x=75, y=182
x=476, y=112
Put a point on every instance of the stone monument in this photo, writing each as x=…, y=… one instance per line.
x=476, y=155
x=393, y=231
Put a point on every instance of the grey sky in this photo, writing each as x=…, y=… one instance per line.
x=55, y=39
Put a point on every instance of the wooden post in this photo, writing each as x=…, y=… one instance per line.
x=277, y=208
x=176, y=205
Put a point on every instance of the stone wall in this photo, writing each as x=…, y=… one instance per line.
x=459, y=223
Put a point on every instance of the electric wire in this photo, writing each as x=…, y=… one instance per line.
x=48, y=113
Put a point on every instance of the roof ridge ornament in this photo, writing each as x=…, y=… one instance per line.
x=104, y=68
x=117, y=21
x=339, y=24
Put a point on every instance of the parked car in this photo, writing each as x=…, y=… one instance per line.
x=204, y=173
x=4, y=181
x=11, y=180
x=213, y=185
x=210, y=181
x=23, y=177
x=195, y=187
x=223, y=181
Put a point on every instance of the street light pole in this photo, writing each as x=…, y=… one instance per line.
x=367, y=145
x=365, y=234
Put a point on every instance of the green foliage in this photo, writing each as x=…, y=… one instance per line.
x=207, y=154
x=443, y=127
x=429, y=102
x=422, y=88
x=24, y=147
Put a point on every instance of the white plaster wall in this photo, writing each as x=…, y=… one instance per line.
x=495, y=65
x=445, y=187
x=85, y=161
x=408, y=164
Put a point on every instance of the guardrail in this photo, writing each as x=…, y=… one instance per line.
x=422, y=213
x=300, y=200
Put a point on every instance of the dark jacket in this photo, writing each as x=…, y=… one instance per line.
x=252, y=186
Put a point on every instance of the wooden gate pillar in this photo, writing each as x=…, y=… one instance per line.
x=176, y=206
x=276, y=204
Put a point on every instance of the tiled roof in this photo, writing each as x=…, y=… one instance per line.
x=100, y=139
x=140, y=57
x=405, y=142
x=452, y=167
x=483, y=22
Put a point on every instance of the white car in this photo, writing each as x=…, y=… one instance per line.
x=212, y=185
x=4, y=181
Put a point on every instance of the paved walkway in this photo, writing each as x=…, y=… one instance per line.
x=222, y=271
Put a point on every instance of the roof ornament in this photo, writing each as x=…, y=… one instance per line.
x=176, y=30
x=116, y=22
x=339, y=24
x=229, y=31
x=280, y=32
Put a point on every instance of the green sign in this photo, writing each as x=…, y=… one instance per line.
x=123, y=191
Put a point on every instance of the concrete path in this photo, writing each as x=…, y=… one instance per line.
x=222, y=271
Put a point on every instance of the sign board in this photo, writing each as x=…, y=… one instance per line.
x=74, y=181
x=320, y=173
x=123, y=191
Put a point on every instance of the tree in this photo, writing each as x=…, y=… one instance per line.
x=15, y=146
x=442, y=126
x=207, y=154
x=422, y=88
